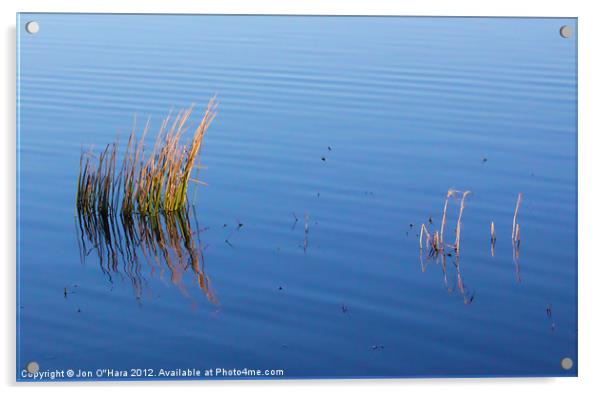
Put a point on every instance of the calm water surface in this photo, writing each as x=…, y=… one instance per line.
x=336, y=138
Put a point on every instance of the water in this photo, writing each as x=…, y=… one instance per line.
x=409, y=107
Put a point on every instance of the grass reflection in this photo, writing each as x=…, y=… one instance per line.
x=166, y=244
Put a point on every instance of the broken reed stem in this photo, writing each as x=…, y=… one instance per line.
x=459, y=223
x=493, y=238
x=157, y=183
x=450, y=193
x=422, y=231
x=514, y=224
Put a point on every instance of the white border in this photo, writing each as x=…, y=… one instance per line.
x=589, y=184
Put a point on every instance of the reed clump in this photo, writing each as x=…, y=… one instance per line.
x=144, y=184
x=435, y=242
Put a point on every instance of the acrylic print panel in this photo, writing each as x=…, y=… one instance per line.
x=279, y=197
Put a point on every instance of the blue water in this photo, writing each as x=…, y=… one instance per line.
x=336, y=138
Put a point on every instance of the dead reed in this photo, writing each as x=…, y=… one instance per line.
x=435, y=241
x=145, y=185
x=459, y=223
x=515, y=226
x=450, y=193
x=493, y=238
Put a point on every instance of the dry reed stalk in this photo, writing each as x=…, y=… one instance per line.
x=422, y=231
x=450, y=193
x=493, y=239
x=459, y=223
x=518, y=202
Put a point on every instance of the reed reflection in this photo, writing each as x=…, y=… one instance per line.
x=457, y=284
x=127, y=246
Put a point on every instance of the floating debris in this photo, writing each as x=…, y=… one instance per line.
x=239, y=226
x=296, y=220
